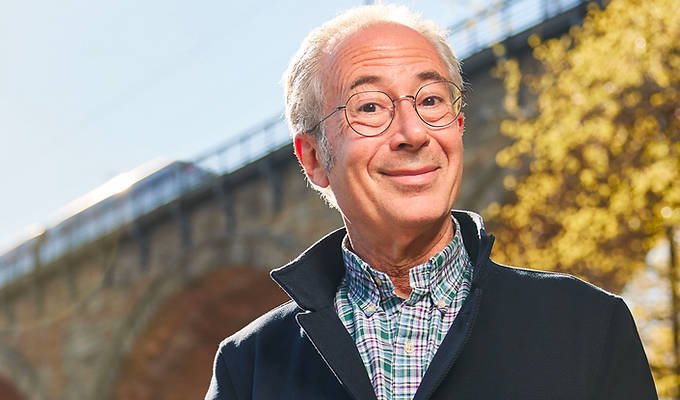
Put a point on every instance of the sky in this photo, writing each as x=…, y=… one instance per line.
x=90, y=89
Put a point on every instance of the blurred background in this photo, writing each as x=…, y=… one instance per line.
x=146, y=195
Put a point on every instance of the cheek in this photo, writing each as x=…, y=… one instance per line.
x=453, y=146
x=349, y=150
x=351, y=176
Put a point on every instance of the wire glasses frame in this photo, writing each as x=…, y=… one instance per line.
x=370, y=113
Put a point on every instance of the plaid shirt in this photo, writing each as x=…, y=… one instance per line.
x=396, y=337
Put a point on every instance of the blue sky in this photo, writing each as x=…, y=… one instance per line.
x=90, y=89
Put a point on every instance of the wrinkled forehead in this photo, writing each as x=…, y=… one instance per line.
x=382, y=47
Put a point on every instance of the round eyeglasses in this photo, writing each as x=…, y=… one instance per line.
x=370, y=113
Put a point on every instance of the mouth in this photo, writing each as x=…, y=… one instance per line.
x=410, y=172
x=412, y=176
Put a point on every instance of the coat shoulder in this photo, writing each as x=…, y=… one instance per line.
x=273, y=322
x=533, y=288
x=531, y=278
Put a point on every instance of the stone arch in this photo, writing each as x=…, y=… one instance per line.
x=18, y=379
x=250, y=253
x=172, y=357
x=8, y=391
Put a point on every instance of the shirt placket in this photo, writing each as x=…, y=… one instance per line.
x=403, y=349
x=406, y=347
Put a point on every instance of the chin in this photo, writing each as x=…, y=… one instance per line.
x=418, y=213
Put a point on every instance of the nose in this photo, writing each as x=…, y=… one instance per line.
x=409, y=131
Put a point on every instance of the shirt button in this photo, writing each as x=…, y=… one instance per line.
x=370, y=308
x=441, y=303
x=409, y=347
x=377, y=281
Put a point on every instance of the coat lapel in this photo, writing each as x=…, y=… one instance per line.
x=451, y=347
x=312, y=281
x=336, y=347
x=454, y=341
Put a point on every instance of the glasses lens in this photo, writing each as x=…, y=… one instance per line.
x=369, y=113
x=438, y=103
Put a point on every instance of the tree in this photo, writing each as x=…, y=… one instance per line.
x=597, y=155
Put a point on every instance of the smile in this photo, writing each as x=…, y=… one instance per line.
x=418, y=176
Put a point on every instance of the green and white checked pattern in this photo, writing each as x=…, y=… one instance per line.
x=396, y=337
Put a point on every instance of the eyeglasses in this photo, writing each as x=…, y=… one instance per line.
x=370, y=113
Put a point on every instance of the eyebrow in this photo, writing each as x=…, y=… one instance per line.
x=431, y=76
x=362, y=80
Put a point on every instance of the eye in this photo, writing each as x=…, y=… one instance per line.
x=368, y=104
x=369, y=108
x=431, y=101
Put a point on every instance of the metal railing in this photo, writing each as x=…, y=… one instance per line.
x=501, y=20
x=247, y=147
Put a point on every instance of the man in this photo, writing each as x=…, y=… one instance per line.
x=404, y=302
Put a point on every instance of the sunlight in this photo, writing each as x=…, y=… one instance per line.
x=118, y=184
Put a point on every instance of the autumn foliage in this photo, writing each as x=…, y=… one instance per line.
x=598, y=154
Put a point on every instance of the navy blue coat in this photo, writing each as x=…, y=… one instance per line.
x=521, y=334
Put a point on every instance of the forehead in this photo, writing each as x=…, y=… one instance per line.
x=390, y=52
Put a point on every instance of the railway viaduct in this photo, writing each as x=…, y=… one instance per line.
x=138, y=314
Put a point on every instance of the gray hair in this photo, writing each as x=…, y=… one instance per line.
x=303, y=78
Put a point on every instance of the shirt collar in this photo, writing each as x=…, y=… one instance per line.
x=440, y=277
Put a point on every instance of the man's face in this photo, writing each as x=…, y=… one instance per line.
x=408, y=176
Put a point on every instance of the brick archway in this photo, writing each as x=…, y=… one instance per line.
x=172, y=359
x=9, y=391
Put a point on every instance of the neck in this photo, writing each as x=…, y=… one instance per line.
x=396, y=251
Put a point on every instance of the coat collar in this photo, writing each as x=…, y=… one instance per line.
x=312, y=279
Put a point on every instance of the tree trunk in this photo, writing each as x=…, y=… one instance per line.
x=674, y=306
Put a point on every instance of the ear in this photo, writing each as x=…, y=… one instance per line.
x=460, y=122
x=307, y=152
